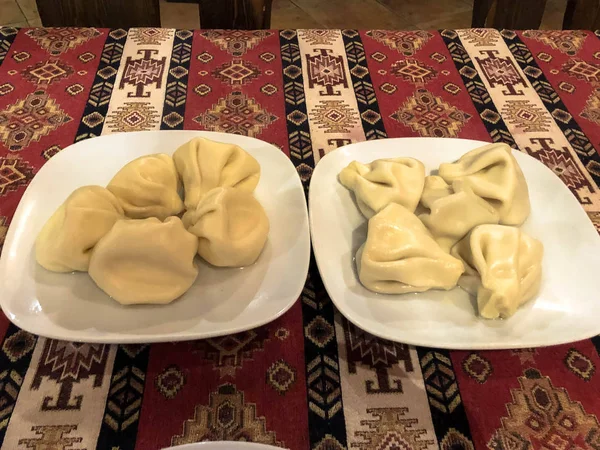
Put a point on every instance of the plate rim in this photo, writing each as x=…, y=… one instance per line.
x=110, y=337
x=415, y=342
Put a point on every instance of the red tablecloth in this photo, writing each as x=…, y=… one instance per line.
x=310, y=379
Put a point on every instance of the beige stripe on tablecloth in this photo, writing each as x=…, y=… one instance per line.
x=530, y=123
x=383, y=392
x=333, y=115
x=62, y=400
x=137, y=100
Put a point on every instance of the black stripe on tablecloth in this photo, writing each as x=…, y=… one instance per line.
x=124, y=401
x=585, y=150
x=177, y=81
x=326, y=422
x=363, y=86
x=480, y=97
x=15, y=357
x=447, y=410
x=96, y=107
x=7, y=37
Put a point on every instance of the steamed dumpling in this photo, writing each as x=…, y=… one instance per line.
x=66, y=241
x=384, y=181
x=231, y=226
x=503, y=267
x=145, y=261
x=148, y=187
x=453, y=211
x=492, y=172
x=204, y=165
x=401, y=256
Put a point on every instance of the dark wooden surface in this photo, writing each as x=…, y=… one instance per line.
x=513, y=14
x=100, y=13
x=235, y=14
x=582, y=14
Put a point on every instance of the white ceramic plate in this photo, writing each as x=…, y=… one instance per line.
x=566, y=309
x=224, y=445
x=222, y=301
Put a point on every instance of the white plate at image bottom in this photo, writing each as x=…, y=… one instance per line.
x=566, y=309
x=221, y=301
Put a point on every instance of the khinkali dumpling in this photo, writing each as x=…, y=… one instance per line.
x=453, y=210
x=384, y=181
x=204, y=165
x=503, y=266
x=148, y=187
x=401, y=256
x=145, y=261
x=66, y=241
x=231, y=226
x=492, y=172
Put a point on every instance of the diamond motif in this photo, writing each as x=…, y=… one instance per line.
x=429, y=115
x=580, y=365
x=268, y=89
x=235, y=42
x=405, y=42
x=566, y=87
x=292, y=71
x=173, y=119
x=379, y=57
x=532, y=71
x=14, y=173
x=334, y=116
x=170, y=381
x=74, y=89
x=413, y=71
x=47, y=72
x=591, y=111
x=202, y=89
x=297, y=117
x=282, y=333
x=19, y=345
x=178, y=72
x=281, y=376
x=490, y=116
x=565, y=41
x=107, y=72
x=29, y=119
x=319, y=332
x=526, y=116
x=359, y=71
x=118, y=34
x=388, y=88
x=562, y=116
x=86, y=57
x=57, y=41
x=267, y=56
x=236, y=114
x=93, y=119
x=468, y=72
x=455, y=440
x=236, y=72
x=438, y=57
x=51, y=151
x=543, y=56
x=305, y=172
x=21, y=56
x=205, y=57
x=477, y=367
x=371, y=116
x=582, y=70
x=6, y=88
x=452, y=88
x=133, y=116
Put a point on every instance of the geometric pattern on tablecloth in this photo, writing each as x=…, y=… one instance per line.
x=235, y=42
x=480, y=97
x=59, y=40
x=407, y=43
x=177, y=82
x=366, y=97
x=7, y=36
x=543, y=416
x=97, y=104
x=565, y=41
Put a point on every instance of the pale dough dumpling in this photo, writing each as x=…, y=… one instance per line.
x=204, y=165
x=66, y=241
x=231, y=226
x=503, y=267
x=453, y=211
x=492, y=172
x=384, y=181
x=401, y=256
x=148, y=187
x=145, y=261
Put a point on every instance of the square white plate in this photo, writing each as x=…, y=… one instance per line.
x=566, y=309
x=221, y=301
